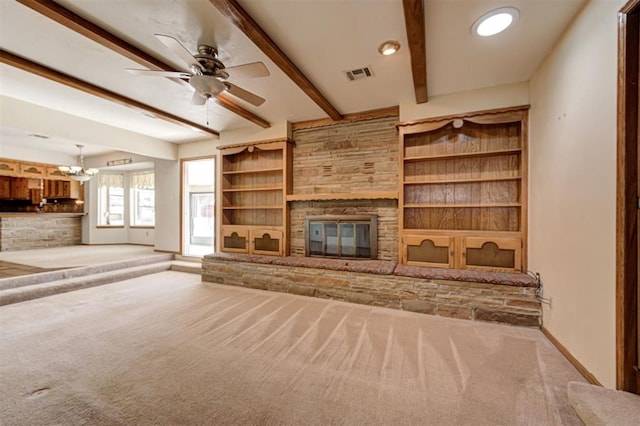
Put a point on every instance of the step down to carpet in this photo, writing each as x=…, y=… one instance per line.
x=35, y=291
x=598, y=406
x=185, y=266
x=62, y=274
x=20, y=289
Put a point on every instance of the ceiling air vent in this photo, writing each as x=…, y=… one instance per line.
x=359, y=73
x=35, y=135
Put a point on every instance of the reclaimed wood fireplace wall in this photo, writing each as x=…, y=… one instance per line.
x=347, y=169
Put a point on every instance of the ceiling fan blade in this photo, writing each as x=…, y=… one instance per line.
x=198, y=99
x=170, y=74
x=245, y=95
x=176, y=47
x=253, y=69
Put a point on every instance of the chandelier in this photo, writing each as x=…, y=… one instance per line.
x=78, y=172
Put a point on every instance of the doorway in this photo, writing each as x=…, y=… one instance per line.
x=628, y=201
x=198, y=206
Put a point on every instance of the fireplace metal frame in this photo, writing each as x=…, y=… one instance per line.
x=371, y=220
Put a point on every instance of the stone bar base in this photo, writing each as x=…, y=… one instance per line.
x=502, y=298
x=39, y=230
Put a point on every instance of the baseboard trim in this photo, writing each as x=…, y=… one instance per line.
x=573, y=360
x=166, y=251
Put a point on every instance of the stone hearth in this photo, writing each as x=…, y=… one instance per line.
x=482, y=296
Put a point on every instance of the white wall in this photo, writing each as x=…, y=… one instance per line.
x=469, y=101
x=204, y=148
x=254, y=133
x=572, y=186
x=167, y=182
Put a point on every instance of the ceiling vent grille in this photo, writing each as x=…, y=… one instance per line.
x=35, y=135
x=359, y=73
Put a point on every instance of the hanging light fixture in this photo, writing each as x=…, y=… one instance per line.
x=78, y=172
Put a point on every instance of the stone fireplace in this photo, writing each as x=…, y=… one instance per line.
x=348, y=168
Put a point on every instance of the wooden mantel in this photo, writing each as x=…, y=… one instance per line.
x=344, y=196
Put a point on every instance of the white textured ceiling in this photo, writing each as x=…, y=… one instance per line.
x=322, y=37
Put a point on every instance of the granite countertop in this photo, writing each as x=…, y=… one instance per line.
x=48, y=215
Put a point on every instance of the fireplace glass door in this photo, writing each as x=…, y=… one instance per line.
x=341, y=236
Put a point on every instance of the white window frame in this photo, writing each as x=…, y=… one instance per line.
x=110, y=187
x=141, y=183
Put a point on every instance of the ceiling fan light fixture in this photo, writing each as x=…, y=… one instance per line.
x=388, y=47
x=206, y=85
x=208, y=75
x=495, y=21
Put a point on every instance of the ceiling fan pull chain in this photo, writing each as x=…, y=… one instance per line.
x=207, y=113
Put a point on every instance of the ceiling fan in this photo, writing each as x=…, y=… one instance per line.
x=207, y=74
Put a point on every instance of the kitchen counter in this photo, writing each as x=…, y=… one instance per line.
x=26, y=231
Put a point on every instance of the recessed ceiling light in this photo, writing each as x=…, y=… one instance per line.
x=496, y=21
x=389, y=47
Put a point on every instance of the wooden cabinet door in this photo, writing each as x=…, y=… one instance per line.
x=55, y=174
x=47, y=187
x=66, y=189
x=235, y=240
x=32, y=171
x=35, y=195
x=5, y=187
x=62, y=189
x=51, y=188
x=20, y=189
x=9, y=168
x=73, y=191
x=491, y=254
x=266, y=241
x=428, y=250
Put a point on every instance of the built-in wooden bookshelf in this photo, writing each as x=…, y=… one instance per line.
x=463, y=191
x=256, y=178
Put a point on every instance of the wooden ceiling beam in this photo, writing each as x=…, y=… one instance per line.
x=9, y=58
x=227, y=103
x=232, y=10
x=414, y=23
x=71, y=20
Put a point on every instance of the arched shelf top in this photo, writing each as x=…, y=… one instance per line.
x=495, y=116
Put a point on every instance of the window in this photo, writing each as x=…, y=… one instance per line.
x=143, y=203
x=110, y=199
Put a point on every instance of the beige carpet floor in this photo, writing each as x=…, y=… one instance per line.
x=10, y=269
x=166, y=349
x=75, y=256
